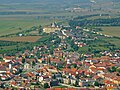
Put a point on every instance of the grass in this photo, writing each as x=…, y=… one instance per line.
x=101, y=17
x=114, y=41
x=22, y=39
x=10, y=25
x=112, y=31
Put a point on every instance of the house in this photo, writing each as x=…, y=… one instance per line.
x=31, y=75
x=27, y=66
x=42, y=78
x=58, y=76
x=13, y=83
x=30, y=61
x=8, y=58
x=73, y=81
x=54, y=83
x=66, y=81
x=3, y=77
x=105, y=58
x=40, y=60
x=3, y=69
x=92, y=60
x=98, y=79
x=71, y=71
x=81, y=45
x=83, y=83
x=52, y=69
x=58, y=52
x=113, y=78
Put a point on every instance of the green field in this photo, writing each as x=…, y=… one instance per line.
x=112, y=31
x=10, y=25
x=102, y=17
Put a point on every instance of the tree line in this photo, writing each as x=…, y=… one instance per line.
x=95, y=22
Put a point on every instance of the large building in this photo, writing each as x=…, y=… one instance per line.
x=51, y=28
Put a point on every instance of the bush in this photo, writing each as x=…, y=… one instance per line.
x=46, y=85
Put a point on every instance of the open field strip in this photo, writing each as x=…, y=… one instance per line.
x=22, y=39
x=111, y=30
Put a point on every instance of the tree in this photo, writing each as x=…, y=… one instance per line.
x=75, y=47
x=46, y=85
x=118, y=70
x=96, y=83
x=20, y=28
x=74, y=65
x=54, y=77
x=40, y=29
x=33, y=63
x=113, y=68
x=76, y=83
x=23, y=60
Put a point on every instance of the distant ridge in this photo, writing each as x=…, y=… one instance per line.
x=32, y=1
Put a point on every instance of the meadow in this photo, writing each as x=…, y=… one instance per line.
x=10, y=25
x=112, y=31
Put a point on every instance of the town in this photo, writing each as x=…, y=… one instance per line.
x=64, y=64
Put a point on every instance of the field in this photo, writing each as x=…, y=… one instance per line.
x=113, y=31
x=10, y=25
x=102, y=17
x=22, y=39
x=14, y=16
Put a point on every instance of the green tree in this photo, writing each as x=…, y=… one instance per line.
x=23, y=60
x=40, y=29
x=96, y=83
x=114, y=68
x=76, y=83
x=33, y=63
x=118, y=70
x=46, y=85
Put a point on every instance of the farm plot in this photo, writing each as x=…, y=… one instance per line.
x=113, y=31
x=22, y=39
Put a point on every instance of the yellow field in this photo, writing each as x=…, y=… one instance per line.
x=113, y=31
x=22, y=39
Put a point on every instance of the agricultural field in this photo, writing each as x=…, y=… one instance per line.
x=10, y=25
x=21, y=39
x=102, y=17
x=112, y=31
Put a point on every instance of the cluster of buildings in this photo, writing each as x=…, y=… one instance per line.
x=26, y=71
x=36, y=70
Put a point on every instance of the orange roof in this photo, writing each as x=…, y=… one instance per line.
x=100, y=69
x=72, y=70
x=111, y=87
x=9, y=57
x=96, y=77
x=108, y=82
x=30, y=74
x=19, y=59
x=13, y=83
